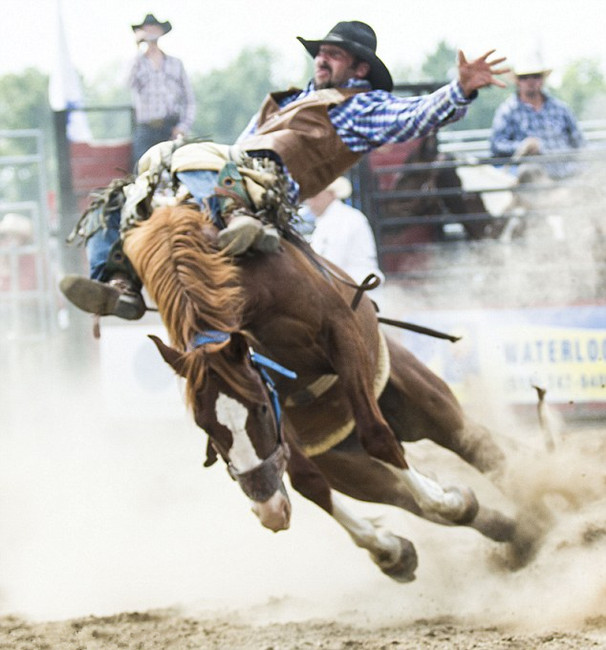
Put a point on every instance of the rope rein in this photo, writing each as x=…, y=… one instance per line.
x=372, y=281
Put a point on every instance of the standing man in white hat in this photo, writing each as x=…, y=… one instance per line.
x=532, y=122
x=162, y=94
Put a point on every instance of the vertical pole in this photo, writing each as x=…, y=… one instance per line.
x=71, y=256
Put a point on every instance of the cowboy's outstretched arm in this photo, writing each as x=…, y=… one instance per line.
x=477, y=74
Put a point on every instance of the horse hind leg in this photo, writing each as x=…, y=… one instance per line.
x=418, y=404
x=455, y=504
x=523, y=536
x=349, y=470
x=458, y=506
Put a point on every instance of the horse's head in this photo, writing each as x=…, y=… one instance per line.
x=236, y=406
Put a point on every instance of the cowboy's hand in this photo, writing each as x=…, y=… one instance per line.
x=532, y=145
x=479, y=73
x=528, y=147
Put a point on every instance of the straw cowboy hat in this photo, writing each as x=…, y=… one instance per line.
x=530, y=64
x=360, y=40
x=341, y=188
x=151, y=21
x=17, y=225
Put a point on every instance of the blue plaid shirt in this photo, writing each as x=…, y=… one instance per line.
x=553, y=124
x=371, y=119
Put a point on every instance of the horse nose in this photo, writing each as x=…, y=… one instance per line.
x=275, y=512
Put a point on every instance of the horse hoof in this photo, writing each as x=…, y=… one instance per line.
x=470, y=505
x=403, y=569
x=495, y=525
x=521, y=550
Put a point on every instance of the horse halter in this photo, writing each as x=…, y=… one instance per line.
x=261, y=482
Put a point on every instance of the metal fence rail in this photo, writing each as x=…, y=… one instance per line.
x=28, y=305
x=449, y=252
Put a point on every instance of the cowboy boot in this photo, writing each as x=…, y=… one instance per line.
x=240, y=232
x=243, y=231
x=268, y=239
x=119, y=296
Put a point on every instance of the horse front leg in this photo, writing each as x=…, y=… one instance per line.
x=394, y=555
x=457, y=505
x=454, y=504
x=376, y=436
x=352, y=363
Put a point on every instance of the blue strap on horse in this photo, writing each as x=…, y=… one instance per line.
x=210, y=336
x=260, y=361
x=272, y=365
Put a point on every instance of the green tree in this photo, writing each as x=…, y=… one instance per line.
x=105, y=93
x=23, y=106
x=227, y=98
x=441, y=63
x=24, y=101
x=583, y=88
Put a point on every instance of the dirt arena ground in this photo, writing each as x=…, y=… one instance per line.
x=162, y=629
x=114, y=536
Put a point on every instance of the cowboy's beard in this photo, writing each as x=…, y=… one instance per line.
x=332, y=80
x=327, y=82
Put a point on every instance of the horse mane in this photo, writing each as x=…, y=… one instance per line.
x=195, y=286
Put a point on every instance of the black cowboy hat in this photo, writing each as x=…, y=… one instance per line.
x=360, y=40
x=150, y=19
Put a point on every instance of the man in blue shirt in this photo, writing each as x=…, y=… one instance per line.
x=532, y=122
x=314, y=135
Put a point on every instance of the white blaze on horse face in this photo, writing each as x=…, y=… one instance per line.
x=233, y=415
x=275, y=512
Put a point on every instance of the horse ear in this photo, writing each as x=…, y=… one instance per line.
x=238, y=345
x=170, y=355
x=211, y=454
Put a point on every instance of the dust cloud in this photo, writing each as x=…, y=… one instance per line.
x=106, y=508
x=554, y=259
x=550, y=252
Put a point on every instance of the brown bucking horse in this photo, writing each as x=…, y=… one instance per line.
x=337, y=426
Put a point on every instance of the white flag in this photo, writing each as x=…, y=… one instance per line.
x=65, y=90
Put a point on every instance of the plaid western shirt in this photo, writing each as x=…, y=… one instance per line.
x=371, y=119
x=162, y=92
x=553, y=124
